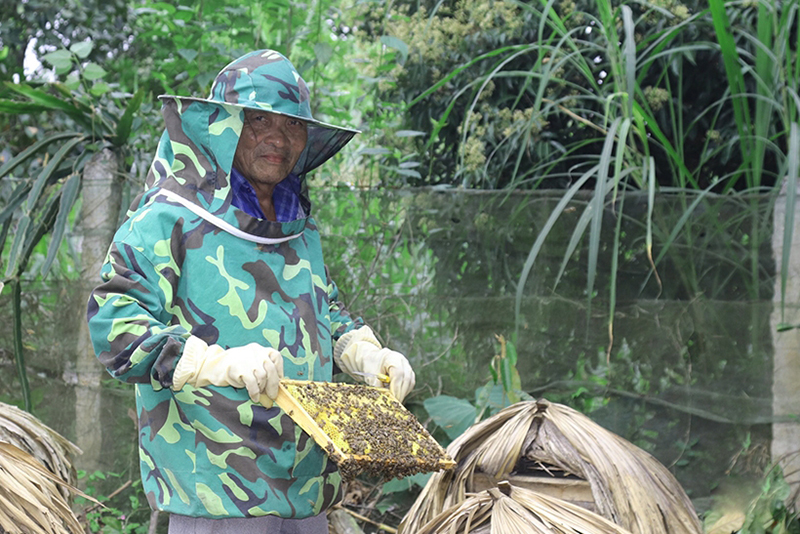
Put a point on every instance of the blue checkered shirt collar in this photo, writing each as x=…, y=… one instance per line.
x=285, y=197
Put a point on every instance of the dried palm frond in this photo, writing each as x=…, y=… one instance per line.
x=30, y=498
x=628, y=485
x=449, y=488
x=36, y=476
x=511, y=510
x=50, y=448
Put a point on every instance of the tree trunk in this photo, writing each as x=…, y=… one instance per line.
x=101, y=193
x=786, y=364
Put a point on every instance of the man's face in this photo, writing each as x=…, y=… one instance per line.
x=269, y=147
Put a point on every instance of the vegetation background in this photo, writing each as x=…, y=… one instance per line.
x=635, y=150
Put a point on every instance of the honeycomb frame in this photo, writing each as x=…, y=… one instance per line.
x=363, y=429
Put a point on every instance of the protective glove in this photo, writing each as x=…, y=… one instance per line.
x=254, y=367
x=359, y=354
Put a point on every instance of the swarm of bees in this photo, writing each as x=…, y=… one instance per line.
x=363, y=429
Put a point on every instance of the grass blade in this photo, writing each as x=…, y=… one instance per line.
x=597, y=210
x=687, y=213
x=69, y=194
x=457, y=71
x=643, y=117
x=537, y=245
x=651, y=200
x=629, y=54
x=730, y=56
x=612, y=291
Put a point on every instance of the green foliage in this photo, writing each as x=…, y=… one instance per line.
x=602, y=96
x=764, y=506
x=124, y=511
x=769, y=512
x=43, y=180
x=48, y=24
x=455, y=415
x=451, y=414
x=514, y=94
x=593, y=98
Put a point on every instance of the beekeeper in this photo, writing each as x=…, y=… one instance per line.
x=213, y=289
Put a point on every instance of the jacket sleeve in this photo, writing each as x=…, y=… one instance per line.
x=341, y=320
x=129, y=322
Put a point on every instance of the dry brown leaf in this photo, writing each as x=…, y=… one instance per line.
x=629, y=487
x=36, y=476
x=517, y=511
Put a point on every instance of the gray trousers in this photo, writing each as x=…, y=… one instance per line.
x=269, y=524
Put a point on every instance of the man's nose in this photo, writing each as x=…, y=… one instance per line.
x=275, y=136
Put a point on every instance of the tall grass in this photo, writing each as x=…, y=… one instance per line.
x=621, y=81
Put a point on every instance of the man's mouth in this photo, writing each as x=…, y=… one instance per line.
x=273, y=158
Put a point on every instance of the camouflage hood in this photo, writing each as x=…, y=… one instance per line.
x=195, y=153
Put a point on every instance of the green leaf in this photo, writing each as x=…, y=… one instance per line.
x=47, y=172
x=597, y=203
x=452, y=414
x=100, y=88
x=72, y=81
x=60, y=59
x=13, y=107
x=16, y=245
x=493, y=370
x=93, y=71
x=14, y=201
x=188, y=54
x=511, y=353
x=374, y=151
x=404, y=172
x=408, y=133
x=82, y=49
x=81, y=115
x=34, y=149
x=406, y=483
x=125, y=122
x=511, y=380
x=393, y=42
x=323, y=52
x=435, y=87
x=493, y=396
x=69, y=194
x=396, y=485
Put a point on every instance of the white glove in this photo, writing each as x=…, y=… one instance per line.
x=359, y=354
x=254, y=367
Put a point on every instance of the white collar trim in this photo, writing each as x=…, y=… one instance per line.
x=221, y=223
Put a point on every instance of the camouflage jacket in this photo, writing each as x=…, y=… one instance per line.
x=186, y=262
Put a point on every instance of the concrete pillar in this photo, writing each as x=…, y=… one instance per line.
x=101, y=193
x=786, y=366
